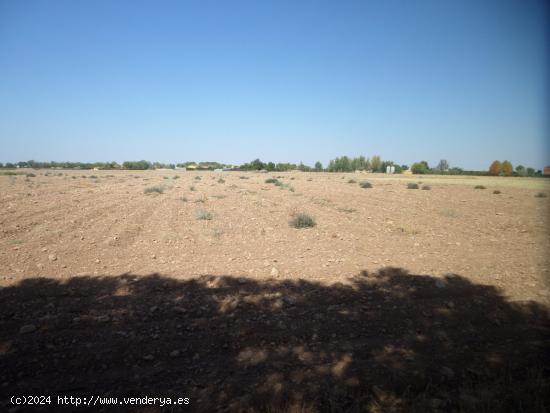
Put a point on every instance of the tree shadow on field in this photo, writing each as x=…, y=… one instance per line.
x=384, y=342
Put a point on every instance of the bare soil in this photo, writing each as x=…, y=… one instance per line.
x=396, y=300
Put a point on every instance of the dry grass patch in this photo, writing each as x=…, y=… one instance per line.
x=302, y=220
x=202, y=214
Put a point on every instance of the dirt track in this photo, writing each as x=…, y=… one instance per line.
x=396, y=300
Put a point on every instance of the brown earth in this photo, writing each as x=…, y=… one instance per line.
x=397, y=300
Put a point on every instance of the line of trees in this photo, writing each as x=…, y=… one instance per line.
x=360, y=163
x=61, y=165
x=258, y=165
x=132, y=165
x=505, y=168
x=338, y=164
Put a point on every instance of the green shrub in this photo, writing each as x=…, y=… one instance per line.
x=496, y=192
x=192, y=188
x=197, y=178
x=271, y=181
x=479, y=187
x=412, y=185
x=203, y=215
x=154, y=190
x=302, y=220
x=221, y=181
x=426, y=187
x=351, y=181
x=30, y=175
x=540, y=195
x=243, y=177
x=365, y=184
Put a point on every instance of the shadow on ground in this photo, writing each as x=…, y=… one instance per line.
x=385, y=342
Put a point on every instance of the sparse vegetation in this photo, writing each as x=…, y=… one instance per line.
x=351, y=181
x=183, y=199
x=192, y=188
x=202, y=214
x=154, y=190
x=217, y=233
x=449, y=213
x=302, y=220
x=271, y=181
x=221, y=181
x=496, y=192
x=197, y=178
x=12, y=173
x=480, y=187
x=540, y=195
x=365, y=184
x=412, y=185
x=426, y=187
x=30, y=175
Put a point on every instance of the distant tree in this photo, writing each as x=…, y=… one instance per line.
x=270, y=166
x=318, y=166
x=404, y=167
x=10, y=165
x=1, y=165
x=257, y=164
x=368, y=165
x=521, y=171
x=442, y=166
x=137, y=165
x=420, y=167
x=495, y=168
x=530, y=172
x=304, y=168
x=507, y=168
x=361, y=163
x=376, y=163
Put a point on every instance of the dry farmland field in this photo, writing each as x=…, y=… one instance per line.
x=194, y=284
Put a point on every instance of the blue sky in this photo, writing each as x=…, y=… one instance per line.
x=467, y=81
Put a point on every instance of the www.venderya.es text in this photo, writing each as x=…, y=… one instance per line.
x=42, y=400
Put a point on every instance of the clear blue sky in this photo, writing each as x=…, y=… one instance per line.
x=293, y=81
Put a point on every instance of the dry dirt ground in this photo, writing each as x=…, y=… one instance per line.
x=397, y=300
